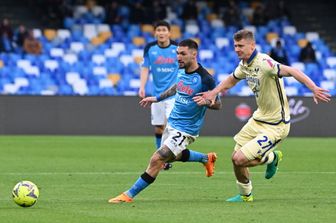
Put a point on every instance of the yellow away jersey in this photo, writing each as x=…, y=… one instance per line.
x=261, y=73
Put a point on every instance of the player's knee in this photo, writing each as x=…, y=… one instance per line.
x=156, y=160
x=238, y=159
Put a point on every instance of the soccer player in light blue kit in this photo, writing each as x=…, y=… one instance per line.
x=184, y=123
x=160, y=61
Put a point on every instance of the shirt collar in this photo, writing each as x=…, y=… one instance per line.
x=253, y=55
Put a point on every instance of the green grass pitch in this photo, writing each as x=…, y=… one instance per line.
x=77, y=175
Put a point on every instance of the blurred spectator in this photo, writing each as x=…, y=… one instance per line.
x=307, y=54
x=19, y=36
x=159, y=10
x=6, y=28
x=31, y=45
x=6, y=45
x=189, y=10
x=276, y=9
x=232, y=15
x=138, y=13
x=96, y=11
x=278, y=53
x=113, y=13
x=259, y=16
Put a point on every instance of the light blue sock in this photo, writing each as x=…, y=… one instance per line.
x=142, y=182
x=195, y=156
x=158, y=138
x=137, y=187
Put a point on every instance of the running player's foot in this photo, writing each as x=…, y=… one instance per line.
x=241, y=198
x=122, y=198
x=273, y=167
x=210, y=165
x=167, y=166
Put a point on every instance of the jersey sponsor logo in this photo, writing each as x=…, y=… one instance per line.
x=164, y=60
x=165, y=69
x=298, y=111
x=184, y=88
x=182, y=99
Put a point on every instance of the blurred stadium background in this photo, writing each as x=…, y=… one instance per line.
x=95, y=47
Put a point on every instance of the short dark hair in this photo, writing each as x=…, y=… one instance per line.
x=191, y=44
x=243, y=34
x=162, y=23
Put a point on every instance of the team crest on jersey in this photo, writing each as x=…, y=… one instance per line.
x=194, y=80
x=256, y=71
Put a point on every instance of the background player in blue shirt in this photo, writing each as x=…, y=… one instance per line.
x=184, y=123
x=159, y=61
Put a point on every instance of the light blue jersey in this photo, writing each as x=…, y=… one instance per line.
x=162, y=65
x=186, y=115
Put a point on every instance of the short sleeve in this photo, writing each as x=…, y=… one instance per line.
x=238, y=74
x=270, y=67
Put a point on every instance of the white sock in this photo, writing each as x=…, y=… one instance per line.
x=244, y=189
x=269, y=159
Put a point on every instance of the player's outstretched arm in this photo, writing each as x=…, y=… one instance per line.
x=223, y=86
x=201, y=101
x=319, y=94
x=147, y=101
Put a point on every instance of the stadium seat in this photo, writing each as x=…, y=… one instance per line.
x=80, y=87
x=271, y=37
x=251, y=28
x=291, y=91
x=289, y=30
x=138, y=41
x=76, y=47
x=89, y=31
x=126, y=59
x=222, y=42
x=50, y=34
x=37, y=33
x=331, y=61
x=63, y=34
x=175, y=31
x=79, y=10
x=99, y=71
x=137, y=55
x=330, y=74
x=70, y=58
x=103, y=28
x=329, y=85
x=98, y=59
x=192, y=28
x=312, y=36
x=147, y=28
x=114, y=78
x=302, y=42
x=206, y=54
x=51, y=65
x=217, y=23
x=299, y=65
x=56, y=52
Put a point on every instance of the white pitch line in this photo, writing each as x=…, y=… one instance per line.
x=170, y=173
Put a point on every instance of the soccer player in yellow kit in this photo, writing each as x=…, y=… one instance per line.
x=257, y=140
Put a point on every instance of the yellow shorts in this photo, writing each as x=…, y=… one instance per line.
x=256, y=139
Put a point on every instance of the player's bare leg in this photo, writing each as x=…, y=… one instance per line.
x=242, y=174
x=157, y=160
x=159, y=129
